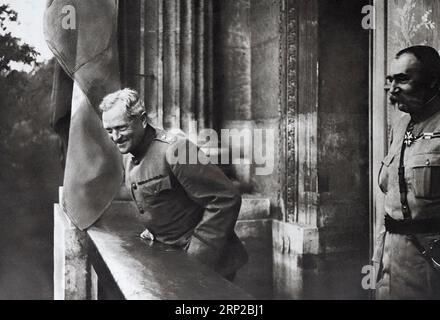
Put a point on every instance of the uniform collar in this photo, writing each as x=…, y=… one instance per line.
x=429, y=110
x=149, y=136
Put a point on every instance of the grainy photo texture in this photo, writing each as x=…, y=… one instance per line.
x=220, y=150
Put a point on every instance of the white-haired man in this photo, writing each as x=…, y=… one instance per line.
x=191, y=206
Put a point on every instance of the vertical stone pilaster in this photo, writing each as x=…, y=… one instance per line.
x=187, y=89
x=129, y=43
x=307, y=113
x=209, y=63
x=152, y=40
x=199, y=58
x=142, y=47
x=71, y=269
x=160, y=62
x=378, y=114
x=289, y=27
x=233, y=82
x=236, y=60
x=171, y=117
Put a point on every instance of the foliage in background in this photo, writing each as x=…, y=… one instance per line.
x=25, y=132
x=24, y=105
x=30, y=170
x=11, y=48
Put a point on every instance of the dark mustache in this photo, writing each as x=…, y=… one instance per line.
x=393, y=99
x=120, y=141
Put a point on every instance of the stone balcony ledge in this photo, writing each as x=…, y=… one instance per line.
x=111, y=261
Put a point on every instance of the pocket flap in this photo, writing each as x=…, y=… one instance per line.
x=156, y=186
x=424, y=160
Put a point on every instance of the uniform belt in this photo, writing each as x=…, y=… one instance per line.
x=409, y=227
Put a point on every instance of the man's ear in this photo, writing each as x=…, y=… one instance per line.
x=144, y=119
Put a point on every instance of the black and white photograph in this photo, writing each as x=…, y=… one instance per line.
x=236, y=151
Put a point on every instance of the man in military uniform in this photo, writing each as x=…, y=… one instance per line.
x=192, y=206
x=407, y=254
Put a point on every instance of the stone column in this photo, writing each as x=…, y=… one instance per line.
x=167, y=55
x=233, y=83
x=187, y=89
x=152, y=47
x=71, y=267
x=208, y=36
x=171, y=62
x=129, y=43
x=199, y=58
x=307, y=113
x=234, y=69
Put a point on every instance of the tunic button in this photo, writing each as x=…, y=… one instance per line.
x=134, y=186
x=428, y=162
x=135, y=161
x=141, y=210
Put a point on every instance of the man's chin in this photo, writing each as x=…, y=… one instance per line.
x=403, y=107
x=413, y=108
x=123, y=150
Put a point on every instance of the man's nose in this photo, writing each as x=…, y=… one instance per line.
x=394, y=89
x=115, y=135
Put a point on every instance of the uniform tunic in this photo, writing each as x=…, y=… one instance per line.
x=404, y=273
x=192, y=206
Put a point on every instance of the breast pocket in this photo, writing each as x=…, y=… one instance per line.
x=383, y=178
x=426, y=175
x=157, y=187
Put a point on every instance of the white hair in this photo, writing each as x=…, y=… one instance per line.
x=128, y=98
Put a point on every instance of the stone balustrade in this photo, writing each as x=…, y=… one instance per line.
x=111, y=261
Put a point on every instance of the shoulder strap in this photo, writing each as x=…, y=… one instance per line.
x=403, y=189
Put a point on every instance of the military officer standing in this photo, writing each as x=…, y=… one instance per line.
x=407, y=248
x=192, y=206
